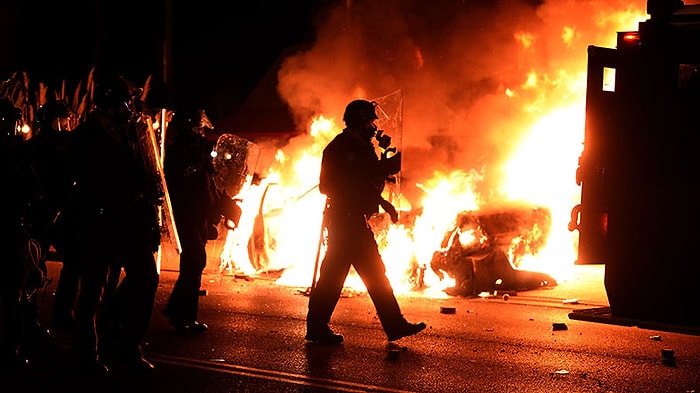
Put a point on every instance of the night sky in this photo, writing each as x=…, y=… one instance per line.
x=219, y=50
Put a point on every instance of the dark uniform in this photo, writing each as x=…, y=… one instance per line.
x=352, y=177
x=189, y=174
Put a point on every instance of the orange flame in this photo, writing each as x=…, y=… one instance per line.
x=539, y=170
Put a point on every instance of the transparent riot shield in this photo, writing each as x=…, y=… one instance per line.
x=234, y=160
x=390, y=123
x=148, y=147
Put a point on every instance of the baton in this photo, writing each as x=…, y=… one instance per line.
x=318, y=249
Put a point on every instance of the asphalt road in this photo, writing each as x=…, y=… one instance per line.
x=523, y=343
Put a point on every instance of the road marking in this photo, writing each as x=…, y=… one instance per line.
x=279, y=376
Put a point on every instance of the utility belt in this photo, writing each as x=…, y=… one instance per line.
x=347, y=216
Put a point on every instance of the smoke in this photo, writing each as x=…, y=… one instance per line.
x=474, y=75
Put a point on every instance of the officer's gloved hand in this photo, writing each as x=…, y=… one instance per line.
x=391, y=165
x=389, y=208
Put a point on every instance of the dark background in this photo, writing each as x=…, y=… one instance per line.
x=210, y=54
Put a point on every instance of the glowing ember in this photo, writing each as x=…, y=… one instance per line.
x=493, y=103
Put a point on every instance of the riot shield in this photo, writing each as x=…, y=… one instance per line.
x=149, y=150
x=234, y=160
x=390, y=112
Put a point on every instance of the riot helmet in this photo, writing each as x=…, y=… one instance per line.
x=359, y=111
x=10, y=117
x=111, y=92
x=114, y=96
x=55, y=115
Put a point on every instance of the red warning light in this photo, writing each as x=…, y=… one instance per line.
x=631, y=37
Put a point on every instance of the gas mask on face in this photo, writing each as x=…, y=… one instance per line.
x=368, y=130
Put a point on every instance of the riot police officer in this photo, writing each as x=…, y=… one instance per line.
x=189, y=174
x=352, y=177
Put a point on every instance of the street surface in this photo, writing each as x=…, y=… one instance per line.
x=524, y=342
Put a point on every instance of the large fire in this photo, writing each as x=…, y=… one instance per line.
x=491, y=112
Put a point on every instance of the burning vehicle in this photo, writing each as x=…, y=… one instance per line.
x=483, y=248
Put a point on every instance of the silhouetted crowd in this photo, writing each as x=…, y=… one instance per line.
x=91, y=191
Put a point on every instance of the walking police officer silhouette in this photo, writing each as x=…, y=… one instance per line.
x=352, y=177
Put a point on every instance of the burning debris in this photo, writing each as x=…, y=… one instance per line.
x=482, y=250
